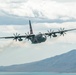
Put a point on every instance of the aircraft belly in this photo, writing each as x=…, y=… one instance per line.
x=36, y=41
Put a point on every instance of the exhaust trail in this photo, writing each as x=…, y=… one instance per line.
x=5, y=46
x=13, y=44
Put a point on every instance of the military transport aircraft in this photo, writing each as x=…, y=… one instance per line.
x=39, y=38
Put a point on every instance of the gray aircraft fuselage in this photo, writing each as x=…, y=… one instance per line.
x=38, y=39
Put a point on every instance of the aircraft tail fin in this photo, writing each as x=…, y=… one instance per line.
x=31, y=31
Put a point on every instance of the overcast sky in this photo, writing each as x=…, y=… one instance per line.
x=12, y=52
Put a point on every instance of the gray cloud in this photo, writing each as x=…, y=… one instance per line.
x=10, y=19
x=65, y=0
x=13, y=1
x=39, y=11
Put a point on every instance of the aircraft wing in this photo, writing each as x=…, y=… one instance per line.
x=15, y=37
x=7, y=37
x=61, y=32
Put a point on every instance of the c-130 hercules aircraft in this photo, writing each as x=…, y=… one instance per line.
x=39, y=38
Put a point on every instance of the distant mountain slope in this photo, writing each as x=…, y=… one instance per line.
x=61, y=63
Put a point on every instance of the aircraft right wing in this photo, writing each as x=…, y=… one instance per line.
x=18, y=36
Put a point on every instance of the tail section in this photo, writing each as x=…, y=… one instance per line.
x=31, y=31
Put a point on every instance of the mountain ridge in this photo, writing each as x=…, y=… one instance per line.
x=61, y=63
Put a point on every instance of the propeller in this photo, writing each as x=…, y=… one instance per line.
x=27, y=36
x=50, y=32
x=62, y=31
x=27, y=33
x=16, y=36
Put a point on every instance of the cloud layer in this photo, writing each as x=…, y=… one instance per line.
x=43, y=9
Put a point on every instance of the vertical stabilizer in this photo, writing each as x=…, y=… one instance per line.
x=31, y=31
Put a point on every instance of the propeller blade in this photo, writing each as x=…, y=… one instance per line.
x=28, y=33
x=50, y=32
x=16, y=39
x=13, y=34
x=16, y=36
x=62, y=31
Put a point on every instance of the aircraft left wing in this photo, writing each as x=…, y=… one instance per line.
x=61, y=32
